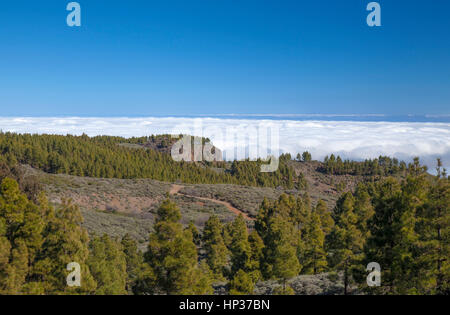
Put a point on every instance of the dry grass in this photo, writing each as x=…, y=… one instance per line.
x=120, y=206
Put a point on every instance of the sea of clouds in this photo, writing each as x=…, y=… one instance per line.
x=349, y=139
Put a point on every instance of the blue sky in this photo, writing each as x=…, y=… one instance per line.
x=141, y=58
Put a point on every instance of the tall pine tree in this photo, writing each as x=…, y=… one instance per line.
x=217, y=254
x=346, y=240
x=173, y=256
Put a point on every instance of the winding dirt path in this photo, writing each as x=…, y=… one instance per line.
x=175, y=190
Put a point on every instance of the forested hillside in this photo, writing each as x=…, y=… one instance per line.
x=403, y=224
x=382, y=166
x=110, y=157
x=301, y=225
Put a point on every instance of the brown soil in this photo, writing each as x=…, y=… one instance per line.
x=175, y=189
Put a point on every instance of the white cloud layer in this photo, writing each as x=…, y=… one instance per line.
x=353, y=140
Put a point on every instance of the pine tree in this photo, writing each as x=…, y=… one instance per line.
x=346, y=240
x=363, y=209
x=36, y=244
x=5, y=250
x=140, y=277
x=257, y=254
x=281, y=239
x=134, y=260
x=240, y=247
x=20, y=236
x=241, y=284
x=172, y=253
x=214, y=246
x=300, y=212
x=204, y=279
x=17, y=269
x=262, y=219
x=195, y=233
x=65, y=241
x=108, y=266
x=285, y=264
x=434, y=231
x=312, y=254
x=325, y=217
x=280, y=259
x=435, y=236
x=306, y=156
x=393, y=241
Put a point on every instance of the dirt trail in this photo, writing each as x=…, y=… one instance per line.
x=175, y=189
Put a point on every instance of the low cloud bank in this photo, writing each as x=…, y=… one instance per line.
x=353, y=140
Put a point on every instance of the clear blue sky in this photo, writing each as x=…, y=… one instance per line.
x=141, y=58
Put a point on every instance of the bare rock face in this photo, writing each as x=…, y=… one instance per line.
x=165, y=143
